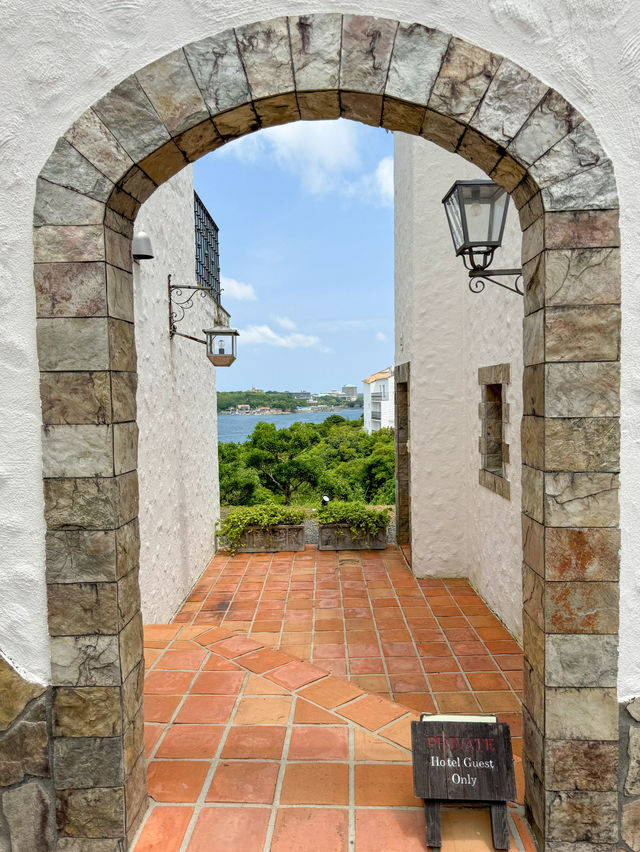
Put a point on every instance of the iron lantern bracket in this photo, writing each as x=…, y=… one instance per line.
x=477, y=278
x=178, y=305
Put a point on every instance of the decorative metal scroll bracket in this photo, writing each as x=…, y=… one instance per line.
x=178, y=306
x=477, y=278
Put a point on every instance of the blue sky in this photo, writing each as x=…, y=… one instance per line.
x=305, y=213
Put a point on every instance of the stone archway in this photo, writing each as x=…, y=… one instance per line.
x=402, y=77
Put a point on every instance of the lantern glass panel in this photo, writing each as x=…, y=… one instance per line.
x=485, y=206
x=454, y=216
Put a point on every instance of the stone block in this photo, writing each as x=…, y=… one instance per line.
x=532, y=210
x=590, y=189
x=165, y=162
x=406, y=118
x=631, y=824
x=68, y=168
x=533, y=446
x=118, y=250
x=582, y=389
x=68, y=243
x=532, y=633
x=127, y=484
x=416, y=59
x=198, y=141
x=582, y=554
x=81, y=762
x=533, y=240
x=85, y=661
x=77, y=450
x=579, y=661
x=363, y=107
x=56, y=205
x=533, y=273
x=117, y=222
x=237, y=122
x=132, y=693
x=123, y=388
x=533, y=695
x=549, y=122
x=280, y=109
x=171, y=88
x=16, y=694
x=125, y=447
x=73, y=344
x=137, y=183
x=581, y=499
x=128, y=597
x=442, y=129
x=28, y=810
x=87, y=712
x=84, y=844
x=90, y=136
x=577, y=152
x=532, y=493
x=122, y=346
x=96, y=812
x=218, y=71
x=584, y=333
x=367, y=43
x=582, y=443
x=508, y=172
x=533, y=390
x=24, y=747
x=581, y=815
x=524, y=191
x=510, y=99
x=533, y=544
x=464, y=78
x=90, y=504
x=633, y=709
x=133, y=742
x=315, y=51
x=318, y=105
x=123, y=204
x=266, y=55
x=581, y=714
x=582, y=276
x=76, y=556
x=582, y=229
x=575, y=765
x=130, y=116
x=534, y=799
x=130, y=641
x=533, y=742
x=120, y=293
x=70, y=289
x=136, y=796
x=127, y=547
x=76, y=609
x=632, y=781
x=533, y=600
x=479, y=150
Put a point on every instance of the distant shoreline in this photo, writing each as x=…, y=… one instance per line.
x=276, y=413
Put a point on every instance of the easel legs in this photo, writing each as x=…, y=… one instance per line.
x=432, y=819
x=500, y=826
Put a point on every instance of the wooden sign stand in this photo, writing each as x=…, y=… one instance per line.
x=461, y=760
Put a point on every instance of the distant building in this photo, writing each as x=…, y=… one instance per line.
x=350, y=392
x=256, y=390
x=243, y=408
x=378, y=401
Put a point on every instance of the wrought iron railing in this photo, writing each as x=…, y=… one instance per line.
x=378, y=396
x=375, y=415
x=207, y=249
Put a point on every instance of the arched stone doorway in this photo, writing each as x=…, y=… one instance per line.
x=401, y=77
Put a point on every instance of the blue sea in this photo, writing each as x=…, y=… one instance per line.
x=236, y=428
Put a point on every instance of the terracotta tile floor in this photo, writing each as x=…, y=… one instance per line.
x=294, y=733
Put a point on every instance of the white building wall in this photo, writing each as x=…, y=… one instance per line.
x=366, y=395
x=60, y=64
x=387, y=406
x=459, y=528
x=177, y=419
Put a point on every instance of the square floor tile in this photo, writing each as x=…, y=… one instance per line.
x=167, y=682
x=263, y=710
x=176, y=780
x=319, y=742
x=456, y=702
x=241, y=829
x=317, y=829
x=191, y=741
x=164, y=829
x=255, y=741
x=315, y=784
x=218, y=683
x=371, y=712
x=160, y=708
x=206, y=709
x=387, y=786
x=251, y=783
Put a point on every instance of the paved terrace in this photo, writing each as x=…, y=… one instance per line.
x=278, y=704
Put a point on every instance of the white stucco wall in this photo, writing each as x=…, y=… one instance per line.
x=459, y=528
x=178, y=445
x=55, y=64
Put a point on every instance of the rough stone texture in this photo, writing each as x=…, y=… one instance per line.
x=582, y=765
x=127, y=547
x=85, y=661
x=56, y=205
x=583, y=390
x=217, y=68
x=70, y=289
x=417, y=55
x=583, y=816
x=87, y=712
x=73, y=344
x=75, y=556
x=463, y=79
x=70, y=844
x=581, y=499
x=631, y=824
x=633, y=708
x=581, y=714
x=592, y=189
x=582, y=333
x=632, y=782
x=533, y=338
x=533, y=598
x=533, y=544
x=532, y=493
x=77, y=609
x=585, y=443
x=92, y=504
x=315, y=51
x=81, y=762
x=128, y=597
x=16, y=694
x=552, y=119
x=119, y=293
x=130, y=640
x=171, y=88
x=582, y=229
x=508, y=102
x=67, y=167
x=28, y=812
x=90, y=136
x=61, y=243
x=24, y=746
x=77, y=451
x=582, y=554
x=582, y=608
x=123, y=388
x=266, y=55
x=582, y=276
x=366, y=53
x=575, y=660
x=97, y=812
x=125, y=447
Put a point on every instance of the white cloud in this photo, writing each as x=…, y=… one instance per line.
x=286, y=323
x=381, y=337
x=384, y=179
x=237, y=290
x=266, y=336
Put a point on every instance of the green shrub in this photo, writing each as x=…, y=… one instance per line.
x=361, y=519
x=265, y=515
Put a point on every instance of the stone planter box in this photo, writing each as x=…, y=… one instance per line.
x=272, y=539
x=340, y=537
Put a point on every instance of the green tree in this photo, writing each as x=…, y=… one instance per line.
x=279, y=457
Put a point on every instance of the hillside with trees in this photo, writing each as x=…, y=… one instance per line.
x=282, y=400
x=297, y=465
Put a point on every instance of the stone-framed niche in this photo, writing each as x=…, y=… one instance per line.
x=494, y=416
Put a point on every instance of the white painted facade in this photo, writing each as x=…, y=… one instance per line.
x=379, y=404
x=60, y=63
x=177, y=417
x=459, y=528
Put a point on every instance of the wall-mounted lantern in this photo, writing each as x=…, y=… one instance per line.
x=141, y=248
x=220, y=341
x=476, y=212
x=221, y=345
